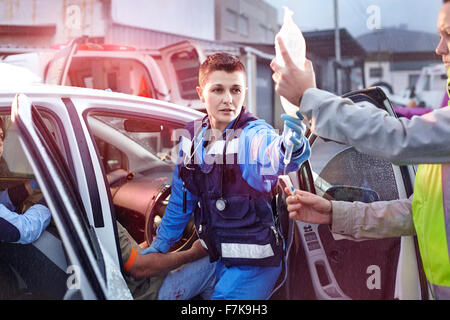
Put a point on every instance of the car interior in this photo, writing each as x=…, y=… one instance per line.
x=137, y=157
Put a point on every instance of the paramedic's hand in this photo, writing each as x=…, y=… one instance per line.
x=150, y=250
x=296, y=125
x=290, y=81
x=308, y=207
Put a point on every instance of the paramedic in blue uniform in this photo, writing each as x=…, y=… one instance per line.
x=20, y=228
x=229, y=163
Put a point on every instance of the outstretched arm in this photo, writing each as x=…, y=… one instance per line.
x=422, y=139
x=356, y=220
x=153, y=264
x=308, y=207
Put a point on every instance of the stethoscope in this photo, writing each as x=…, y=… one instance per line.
x=221, y=203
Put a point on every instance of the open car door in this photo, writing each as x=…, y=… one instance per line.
x=344, y=269
x=58, y=68
x=90, y=265
x=181, y=62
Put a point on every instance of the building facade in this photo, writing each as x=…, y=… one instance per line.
x=250, y=21
x=395, y=56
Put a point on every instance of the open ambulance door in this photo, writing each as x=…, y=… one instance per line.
x=58, y=67
x=182, y=61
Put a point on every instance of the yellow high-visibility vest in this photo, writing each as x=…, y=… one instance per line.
x=431, y=215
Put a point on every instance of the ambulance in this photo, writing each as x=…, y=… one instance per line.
x=168, y=74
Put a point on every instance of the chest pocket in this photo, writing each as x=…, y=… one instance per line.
x=238, y=213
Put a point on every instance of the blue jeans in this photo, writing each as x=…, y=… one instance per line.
x=196, y=279
x=244, y=282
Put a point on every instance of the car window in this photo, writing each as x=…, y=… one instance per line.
x=134, y=144
x=343, y=166
x=13, y=160
x=111, y=157
x=142, y=149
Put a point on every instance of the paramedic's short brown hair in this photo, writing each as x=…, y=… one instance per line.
x=219, y=62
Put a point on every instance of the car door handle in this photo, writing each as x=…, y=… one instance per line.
x=324, y=281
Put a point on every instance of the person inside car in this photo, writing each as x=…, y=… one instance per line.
x=228, y=165
x=179, y=275
x=20, y=228
x=423, y=140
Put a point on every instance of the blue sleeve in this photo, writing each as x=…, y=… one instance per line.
x=174, y=221
x=261, y=156
x=23, y=228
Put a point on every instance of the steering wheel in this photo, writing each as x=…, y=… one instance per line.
x=154, y=216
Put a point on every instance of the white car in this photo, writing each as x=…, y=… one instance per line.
x=101, y=157
x=93, y=166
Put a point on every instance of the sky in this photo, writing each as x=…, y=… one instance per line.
x=362, y=16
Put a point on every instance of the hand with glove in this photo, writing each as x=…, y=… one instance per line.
x=298, y=131
x=150, y=250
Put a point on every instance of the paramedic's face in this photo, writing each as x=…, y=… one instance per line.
x=223, y=94
x=443, y=24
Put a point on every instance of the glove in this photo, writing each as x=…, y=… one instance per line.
x=34, y=184
x=298, y=128
x=150, y=250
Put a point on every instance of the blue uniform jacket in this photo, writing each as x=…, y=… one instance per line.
x=21, y=228
x=258, y=144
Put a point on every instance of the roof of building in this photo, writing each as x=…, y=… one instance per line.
x=321, y=44
x=397, y=40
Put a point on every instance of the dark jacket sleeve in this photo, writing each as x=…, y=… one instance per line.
x=17, y=195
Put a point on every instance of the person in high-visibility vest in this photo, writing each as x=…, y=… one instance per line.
x=423, y=140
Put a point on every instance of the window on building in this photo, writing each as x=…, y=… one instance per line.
x=231, y=20
x=376, y=72
x=265, y=34
x=262, y=32
x=412, y=80
x=243, y=25
x=270, y=35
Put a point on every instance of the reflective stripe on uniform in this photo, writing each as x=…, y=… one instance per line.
x=186, y=145
x=246, y=251
x=218, y=146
